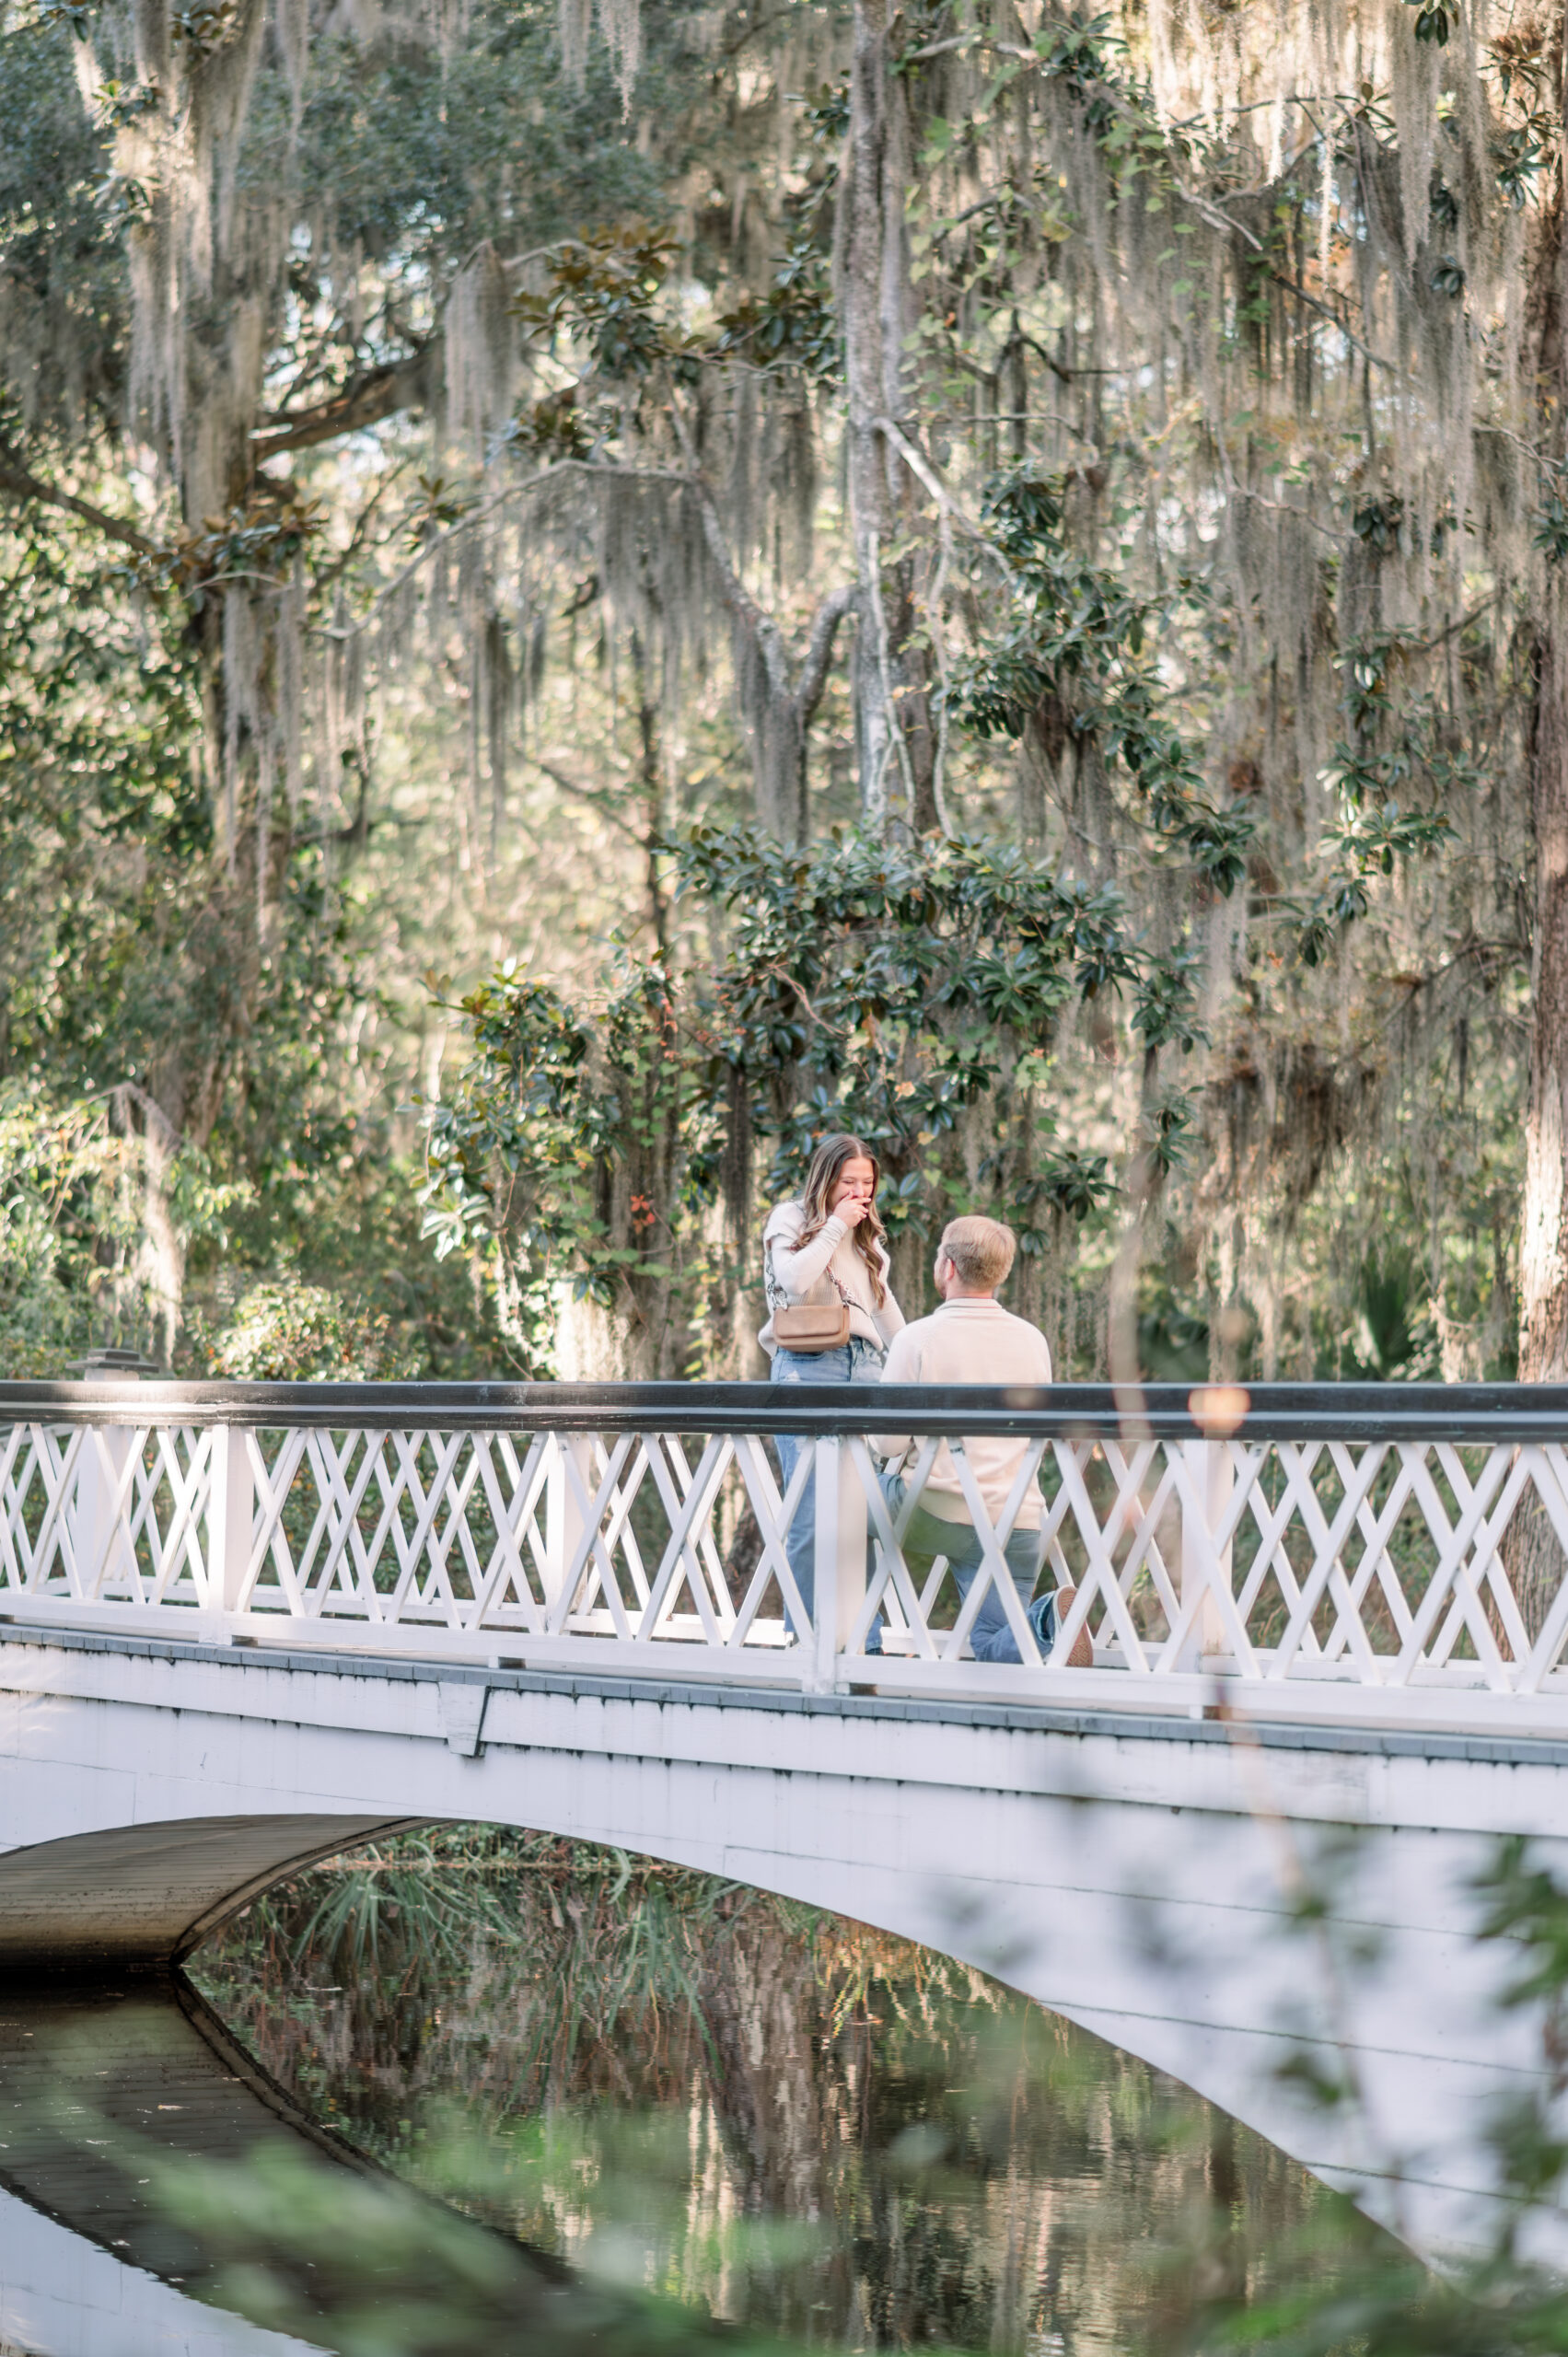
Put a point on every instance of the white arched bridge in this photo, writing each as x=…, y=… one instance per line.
x=242, y=1626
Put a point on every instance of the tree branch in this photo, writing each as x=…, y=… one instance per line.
x=596, y=794
x=21, y=484
x=922, y=468
x=402, y=384
x=819, y=652
x=473, y=516
x=356, y=538
x=378, y=392
x=128, y=1092
x=1204, y=206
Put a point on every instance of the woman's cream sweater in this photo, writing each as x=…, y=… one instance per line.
x=804, y=1273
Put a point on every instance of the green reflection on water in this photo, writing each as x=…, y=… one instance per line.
x=782, y=2122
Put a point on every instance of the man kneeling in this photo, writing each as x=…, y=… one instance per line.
x=971, y=1339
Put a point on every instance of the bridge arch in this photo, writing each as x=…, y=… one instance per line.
x=1138, y=1876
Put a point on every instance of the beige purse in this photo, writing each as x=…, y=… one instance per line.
x=808, y=1327
x=810, y=1330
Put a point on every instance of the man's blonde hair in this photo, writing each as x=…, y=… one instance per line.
x=981, y=1249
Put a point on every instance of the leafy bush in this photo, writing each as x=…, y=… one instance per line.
x=291, y=1332
x=66, y=1237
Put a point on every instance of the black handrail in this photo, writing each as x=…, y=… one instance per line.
x=1496, y=1412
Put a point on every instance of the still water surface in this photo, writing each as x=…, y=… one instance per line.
x=483, y=2095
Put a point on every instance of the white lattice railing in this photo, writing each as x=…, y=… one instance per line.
x=1322, y=1553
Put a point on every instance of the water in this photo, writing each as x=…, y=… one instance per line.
x=478, y=2095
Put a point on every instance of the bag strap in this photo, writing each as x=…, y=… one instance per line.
x=777, y=1298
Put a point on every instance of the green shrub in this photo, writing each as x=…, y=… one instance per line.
x=291, y=1332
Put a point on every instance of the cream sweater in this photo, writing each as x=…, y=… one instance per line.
x=804, y=1273
x=970, y=1340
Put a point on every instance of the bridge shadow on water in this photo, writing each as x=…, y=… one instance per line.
x=160, y=2192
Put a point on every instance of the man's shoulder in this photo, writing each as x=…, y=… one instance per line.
x=1021, y=1325
x=1020, y=1349
x=1023, y=1332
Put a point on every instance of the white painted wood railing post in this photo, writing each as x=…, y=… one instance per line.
x=97, y=1515
x=1212, y=1477
x=839, y=1558
x=231, y=1512
x=564, y=1517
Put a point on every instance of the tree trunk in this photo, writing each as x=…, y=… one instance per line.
x=1537, y=1561
x=1543, y=1253
x=1534, y=1557
x=650, y=767
x=760, y=2010
x=894, y=741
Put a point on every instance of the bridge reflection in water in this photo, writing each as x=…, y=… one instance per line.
x=249, y=1624
x=955, y=2175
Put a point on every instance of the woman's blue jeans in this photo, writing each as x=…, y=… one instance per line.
x=856, y=1361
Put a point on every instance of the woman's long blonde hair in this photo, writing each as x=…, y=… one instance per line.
x=827, y=1169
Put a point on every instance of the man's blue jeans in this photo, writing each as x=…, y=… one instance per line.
x=857, y=1361
x=929, y=1536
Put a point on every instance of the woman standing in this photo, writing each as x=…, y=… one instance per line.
x=826, y=1249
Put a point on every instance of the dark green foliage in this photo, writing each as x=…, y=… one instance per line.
x=1390, y=1285
x=554, y=1107
x=419, y=158
x=1077, y=643
x=794, y=324
x=620, y=1943
x=102, y=807
x=57, y=233
x=300, y=1333
x=1378, y=522
x=1084, y=54
x=1551, y=526
x=1397, y=744
x=1431, y=20
x=604, y=290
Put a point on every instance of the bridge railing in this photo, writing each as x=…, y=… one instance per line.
x=1388, y=1554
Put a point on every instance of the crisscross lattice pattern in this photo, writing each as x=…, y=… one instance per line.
x=1383, y=1565
x=1340, y=1566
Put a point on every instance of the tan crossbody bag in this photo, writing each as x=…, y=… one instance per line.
x=809, y=1327
x=809, y=1330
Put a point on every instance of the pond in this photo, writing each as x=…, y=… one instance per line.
x=469, y=2092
